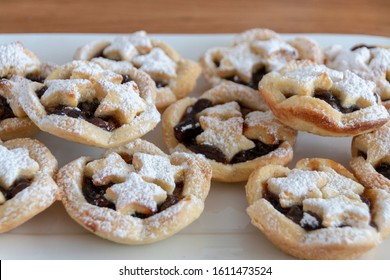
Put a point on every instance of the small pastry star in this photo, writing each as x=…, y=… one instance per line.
x=157, y=169
x=67, y=92
x=377, y=144
x=136, y=195
x=121, y=100
x=141, y=41
x=339, y=211
x=93, y=72
x=263, y=126
x=225, y=135
x=156, y=63
x=337, y=185
x=111, y=169
x=14, y=164
x=297, y=186
x=120, y=49
x=223, y=111
x=239, y=61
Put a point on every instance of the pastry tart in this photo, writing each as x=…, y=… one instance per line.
x=253, y=54
x=135, y=194
x=371, y=158
x=18, y=66
x=229, y=126
x=322, y=101
x=82, y=102
x=26, y=181
x=369, y=62
x=317, y=210
x=174, y=76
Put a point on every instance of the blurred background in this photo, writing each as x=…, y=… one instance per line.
x=201, y=16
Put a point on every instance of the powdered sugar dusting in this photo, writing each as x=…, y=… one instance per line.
x=16, y=60
x=136, y=195
x=15, y=164
x=156, y=63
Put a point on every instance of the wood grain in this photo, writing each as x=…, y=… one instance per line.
x=201, y=16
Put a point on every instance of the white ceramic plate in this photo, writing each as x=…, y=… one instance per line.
x=223, y=231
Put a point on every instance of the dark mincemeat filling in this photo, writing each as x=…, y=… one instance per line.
x=5, y=110
x=95, y=195
x=295, y=213
x=35, y=78
x=189, y=127
x=15, y=188
x=333, y=101
x=257, y=76
x=84, y=111
x=384, y=169
x=354, y=48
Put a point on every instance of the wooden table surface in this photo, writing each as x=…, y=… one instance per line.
x=201, y=16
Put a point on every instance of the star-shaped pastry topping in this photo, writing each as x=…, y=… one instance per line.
x=141, y=41
x=377, y=144
x=339, y=211
x=15, y=164
x=136, y=195
x=262, y=126
x=16, y=60
x=67, y=92
x=223, y=111
x=93, y=72
x=224, y=134
x=120, y=49
x=240, y=61
x=111, y=169
x=157, y=169
x=354, y=90
x=121, y=100
x=337, y=185
x=157, y=64
x=15, y=85
x=297, y=186
x=273, y=48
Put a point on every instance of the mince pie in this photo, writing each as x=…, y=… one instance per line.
x=253, y=54
x=323, y=101
x=317, y=210
x=174, y=76
x=82, y=102
x=135, y=194
x=369, y=62
x=371, y=158
x=228, y=126
x=18, y=66
x=26, y=181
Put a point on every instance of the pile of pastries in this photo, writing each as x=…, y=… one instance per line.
x=263, y=90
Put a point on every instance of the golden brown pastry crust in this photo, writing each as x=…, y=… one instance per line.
x=324, y=243
x=369, y=62
x=376, y=148
x=16, y=62
x=252, y=50
x=222, y=94
x=177, y=86
x=123, y=228
x=290, y=97
x=39, y=195
x=95, y=81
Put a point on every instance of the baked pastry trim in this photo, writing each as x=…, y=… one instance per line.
x=323, y=243
x=304, y=112
x=39, y=195
x=112, y=225
x=79, y=130
x=223, y=93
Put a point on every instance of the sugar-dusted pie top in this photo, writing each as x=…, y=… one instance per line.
x=16, y=60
